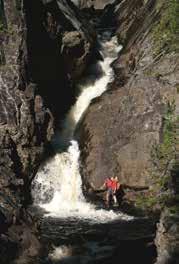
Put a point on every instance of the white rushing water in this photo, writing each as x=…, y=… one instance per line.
x=57, y=186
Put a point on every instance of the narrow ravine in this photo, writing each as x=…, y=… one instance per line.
x=58, y=187
x=73, y=230
x=75, y=109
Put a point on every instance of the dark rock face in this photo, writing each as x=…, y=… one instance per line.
x=20, y=243
x=59, y=49
x=21, y=139
x=167, y=239
x=96, y=4
x=37, y=42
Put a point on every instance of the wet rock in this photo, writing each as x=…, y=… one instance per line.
x=75, y=51
x=77, y=37
x=96, y=4
x=24, y=237
x=167, y=238
x=8, y=249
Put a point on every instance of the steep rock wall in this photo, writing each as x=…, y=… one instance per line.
x=119, y=132
x=37, y=42
x=167, y=239
x=130, y=114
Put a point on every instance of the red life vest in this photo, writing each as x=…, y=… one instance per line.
x=114, y=185
x=108, y=183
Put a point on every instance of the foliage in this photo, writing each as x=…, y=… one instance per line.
x=163, y=155
x=18, y=4
x=2, y=16
x=166, y=32
x=147, y=202
x=174, y=209
x=7, y=30
x=162, y=158
x=1, y=27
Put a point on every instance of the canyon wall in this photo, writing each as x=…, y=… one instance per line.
x=121, y=128
x=44, y=48
x=125, y=133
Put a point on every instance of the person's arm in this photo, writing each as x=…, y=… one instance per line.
x=118, y=186
x=103, y=186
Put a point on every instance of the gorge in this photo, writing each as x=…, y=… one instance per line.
x=59, y=55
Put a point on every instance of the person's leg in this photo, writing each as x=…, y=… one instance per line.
x=110, y=198
x=107, y=197
x=114, y=198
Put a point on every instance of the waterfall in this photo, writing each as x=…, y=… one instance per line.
x=57, y=186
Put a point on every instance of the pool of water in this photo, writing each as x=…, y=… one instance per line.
x=81, y=241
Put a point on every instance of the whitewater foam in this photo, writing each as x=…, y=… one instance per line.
x=60, y=253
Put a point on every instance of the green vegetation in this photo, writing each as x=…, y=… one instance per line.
x=18, y=5
x=8, y=30
x=163, y=154
x=2, y=57
x=165, y=151
x=174, y=209
x=1, y=27
x=166, y=32
x=2, y=17
x=146, y=201
x=162, y=158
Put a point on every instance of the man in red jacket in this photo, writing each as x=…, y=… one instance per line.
x=110, y=185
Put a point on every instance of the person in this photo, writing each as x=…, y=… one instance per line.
x=110, y=185
x=116, y=188
x=119, y=193
x=118, y=185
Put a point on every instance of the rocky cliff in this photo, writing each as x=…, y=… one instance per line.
x=119, y=131
x=128, y=132
x=44, y=47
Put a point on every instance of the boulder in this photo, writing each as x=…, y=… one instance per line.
x=118, y=131
x=167, y=238
x=76, y=52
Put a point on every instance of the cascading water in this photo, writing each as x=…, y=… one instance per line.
x=57, y=186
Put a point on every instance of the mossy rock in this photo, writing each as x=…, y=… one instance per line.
x=166, y=31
